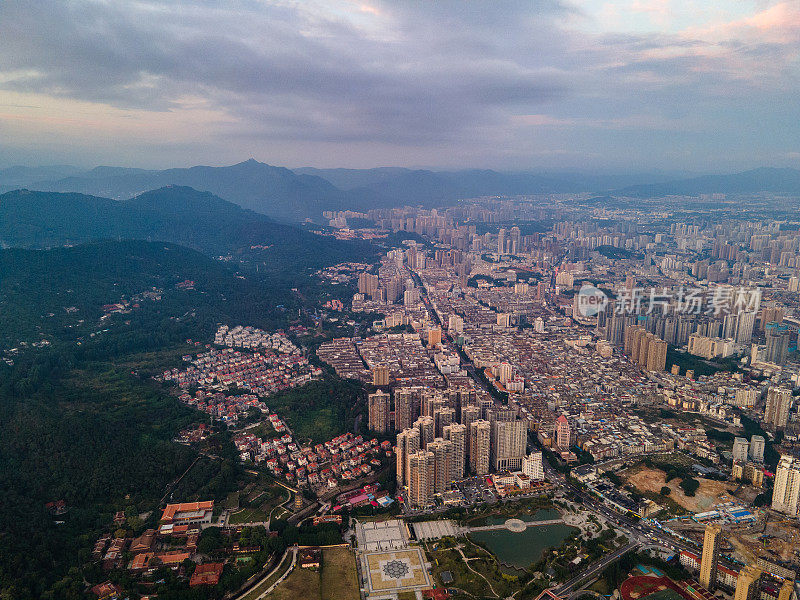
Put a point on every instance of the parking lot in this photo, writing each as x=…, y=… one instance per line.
x=476, y=491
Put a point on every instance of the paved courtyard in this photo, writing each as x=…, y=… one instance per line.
x=381, y=535
x=435, y=530
x=397, y=571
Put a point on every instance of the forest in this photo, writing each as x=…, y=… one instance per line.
x=82, y=420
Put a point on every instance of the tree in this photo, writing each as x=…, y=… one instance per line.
x=665, y=491
x=690, y=485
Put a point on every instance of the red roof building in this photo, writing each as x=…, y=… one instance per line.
x=207, y=574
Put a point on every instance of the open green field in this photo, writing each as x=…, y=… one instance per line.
x=232, y=501
x=302, y=583
x=248, y=515
x=339, y=576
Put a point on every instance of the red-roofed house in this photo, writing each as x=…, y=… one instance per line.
x=207, y=574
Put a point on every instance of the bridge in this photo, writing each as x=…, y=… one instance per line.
x=513, y=525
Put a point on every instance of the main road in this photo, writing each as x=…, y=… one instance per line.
x=594, y=569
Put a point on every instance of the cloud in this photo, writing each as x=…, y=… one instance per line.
x=383, y=81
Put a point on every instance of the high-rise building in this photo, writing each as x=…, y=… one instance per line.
x=538, y=325
x=787, y=590
x=501, y=241
x=457, y=434
x=786, y=493
x=470, y=414
x=406, y=406
x=427, y=431
x=380, y=376
x=434, y=336
x=710, y=559
x=745, y=323
x=479, y=446
x=508, y=444
x=504, y=372
x=411, y=297
x=745, y=398
x=771, y=314
x=754, y=473
x=421, y=467
x=779, y=401
x=455, y=324
x=442, y=417
x=777, y=343
x=394, y=287
x=379, y=407
x=367, y=284
x=432, y=402
x=563, y=433
x=533, y=467
x=757, y=444
x=442, y=464
x=657, y=355
x=748, y=584
x=407, y=444
x=741, y=448
x=515, y=240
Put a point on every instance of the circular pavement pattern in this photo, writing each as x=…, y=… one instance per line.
x=395, y=569
x=515, y=525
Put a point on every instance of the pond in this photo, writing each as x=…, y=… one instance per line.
x=526, y=547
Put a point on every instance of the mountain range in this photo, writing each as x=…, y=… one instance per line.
x=305, y=193
x=178, y=214
x=782, y=181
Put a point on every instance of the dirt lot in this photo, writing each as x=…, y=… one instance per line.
x=707, y=496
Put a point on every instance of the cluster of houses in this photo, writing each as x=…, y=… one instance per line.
x=342, y=272
x=193, y=434
x=125, y=305
x=222, y=407
x=251, y=337
x=261, y=373
x=345, y=458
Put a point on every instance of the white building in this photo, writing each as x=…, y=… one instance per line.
x=787, y=486
x=532, y=466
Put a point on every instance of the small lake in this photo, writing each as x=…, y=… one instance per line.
x=522, y=549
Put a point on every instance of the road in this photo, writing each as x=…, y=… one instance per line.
x=266, y=592
x=249, y=588
x=594, y=569
x=622, y=521
x=446, y=341
x=639, y=533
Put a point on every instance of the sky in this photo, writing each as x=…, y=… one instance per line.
x=671, y=85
